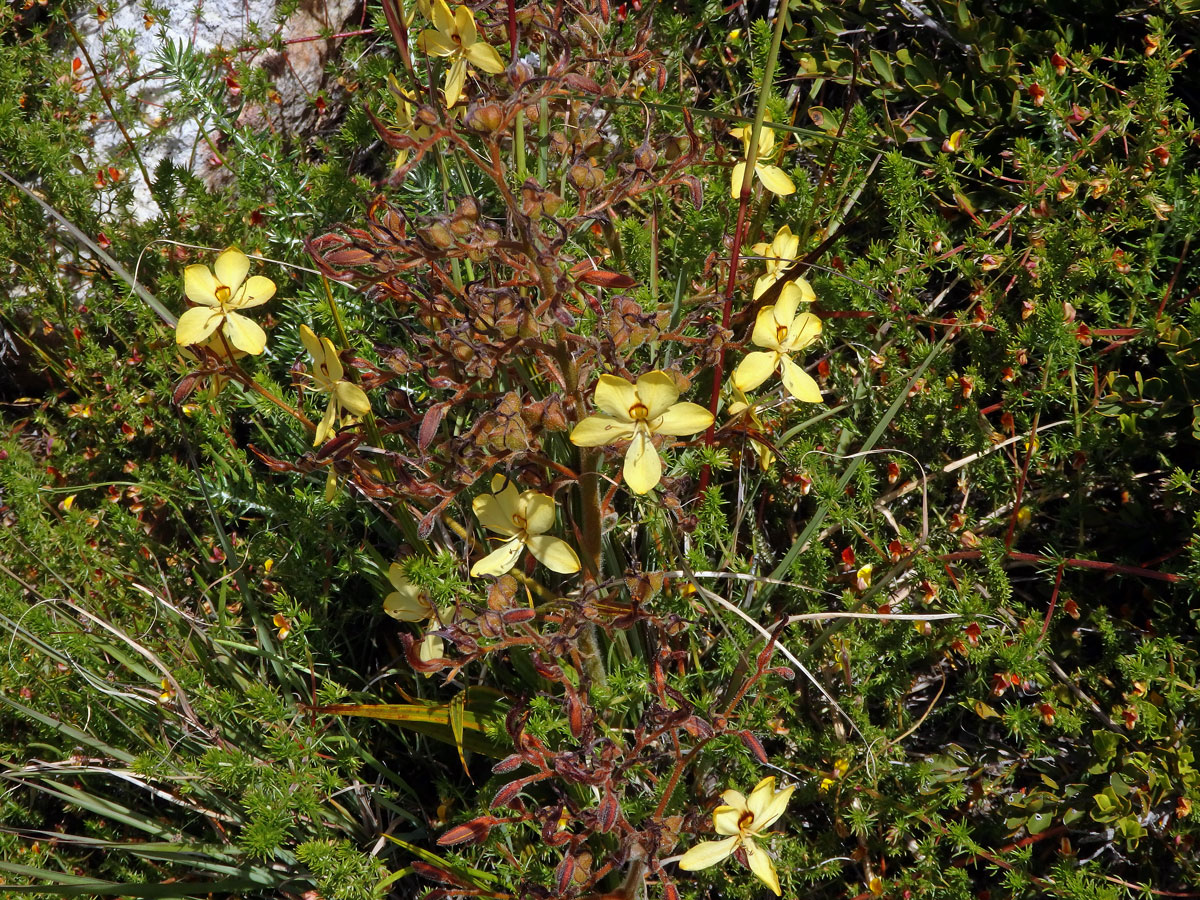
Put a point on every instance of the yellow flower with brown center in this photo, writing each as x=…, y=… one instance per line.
x=782, y=331
x=329, y=378
x=743, y=820
x=779, y=254
x=523, y=518
x=454, y=35
x=774, y=179
x=637, y=414
x=220, y=293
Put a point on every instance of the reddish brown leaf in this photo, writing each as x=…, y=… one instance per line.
x=429, y=424
x=605, y=279
x=469, y=832
x=753, y=745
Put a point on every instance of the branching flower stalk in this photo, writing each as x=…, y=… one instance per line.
x=739, y=234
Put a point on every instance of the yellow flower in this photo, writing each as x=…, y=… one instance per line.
x=409, y=603
x=741, y=406
x=454, y=35
x=404, y=117
x=328, y=379
x=743, y=820
x=524, y=519
x=281, y=622
x=779, y=254
x=783, y=332
x=637, y=414
x=219, y=295
x=774, y=179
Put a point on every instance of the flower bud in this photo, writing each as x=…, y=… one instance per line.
x=519, y=73
x=438, y=235
x=488, y=117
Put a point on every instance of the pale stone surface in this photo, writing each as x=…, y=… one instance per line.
x=298, y=72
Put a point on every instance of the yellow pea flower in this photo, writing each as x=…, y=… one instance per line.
x=328, y=378
x=637, y=414
x=524, y=519
x=782, y=332
x=454, y=35
x=220, y=293
x=740, y=405
x=774, y=179
x=779, y=254
x=743, y=820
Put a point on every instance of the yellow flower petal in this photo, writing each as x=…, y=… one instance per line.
x=708, y=853
x=231, y=268
x=735, y=800
x=769, y=808
x=727, y=820
x=807, y=294
x=196, y=324
x=735, y=184
x=325, y=426
x=436, y=44
x=760, y=799
x=598, y=431
x=199, y=285
x=538, y=511
x=784, y=312
x=456, y=77
x=329, y=367
x=485, y=57
x=255, y=292
x=766, y=329
x=761, y=866
x=682, y=418
x=643, y=468
x=553, y=553
x=353, y=398
x=775, y=180
x=799, y=383
x=245, y=334
x=766, y=141
x=492, y=515
x=657, y=392
x=505, y=491
x=614, y=395
x=786, y=245
x=443, y=19
x=464, y=26
x=756, y=368
x=311, y=343
x=803, y=330
x=499, y=560
x=764, y=284
x=432, y=647
x=408, y=603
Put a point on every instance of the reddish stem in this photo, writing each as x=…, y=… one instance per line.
x=739, y=235
x=1113, y=568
